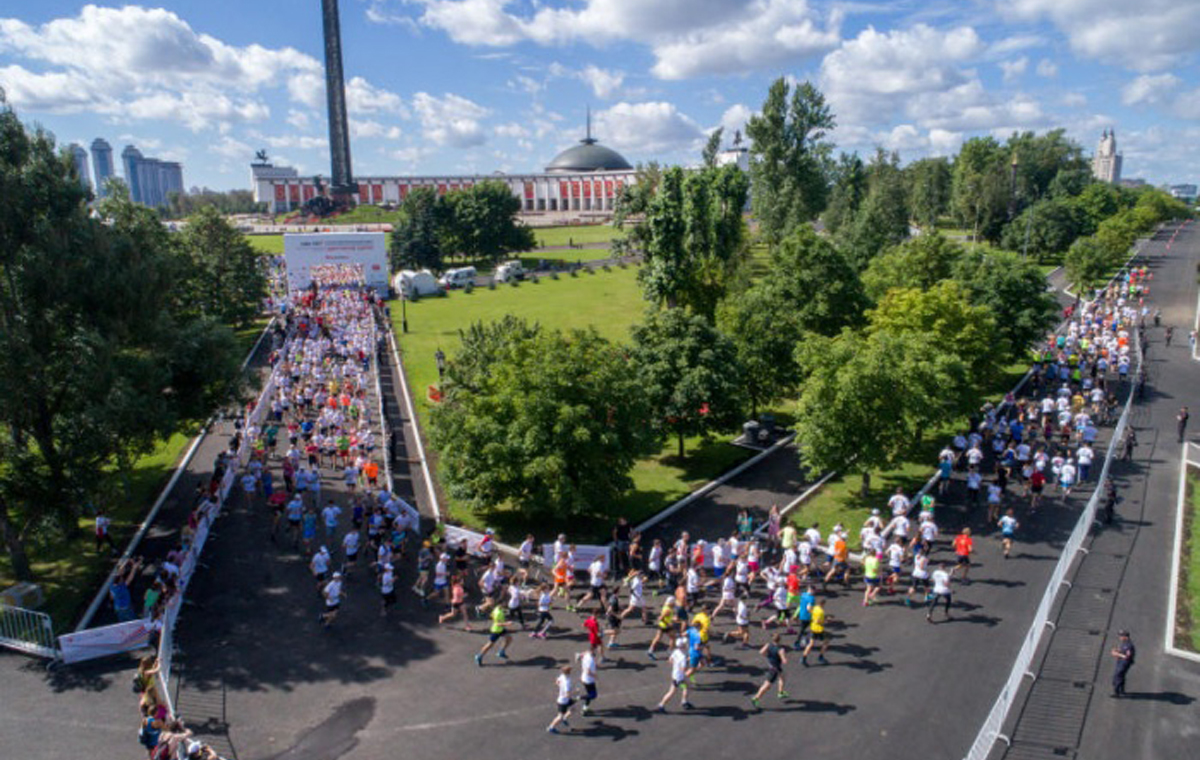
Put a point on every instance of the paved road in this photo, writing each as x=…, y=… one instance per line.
x=1123, y=582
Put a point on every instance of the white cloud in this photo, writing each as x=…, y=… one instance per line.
x=873, y=75
x=512, y=130
x=298, y=142
x=602, y=81
x=1047, y=68
x=1015, y=44
x=362, y=97
x=1014, y=69
x=235, y=150
x=148, y=63
x=687, y=37
x=299, y=119
x=1149, y=88
x=450, y=120
x=368, y=129
x=968, y=107
x=1144, y=36
x=734, y=120
x=1074, y=99
x=650, y=128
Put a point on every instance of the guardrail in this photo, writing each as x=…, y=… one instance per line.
x=1185, y=461
x=993, y=725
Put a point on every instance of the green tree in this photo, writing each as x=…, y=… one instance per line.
x=483, y=223
x=882, y=220
x=918, y=263
x=688, y=372
x=928, y=182
x=228, y=278
x=1045, y=228
x=867, y=399
x=849, y=190
x=944, y=313
x=1088, y=263
x=789, y=157
x=1041, y=159
x=815, y=278
x=551, y=423
x=695, y=238
x=1097, y=202
x=765, y=329
x=417, y=238
x=712, y=147
x=98, y=360
x=1013, y=290
x=980, y=190
x=630, y=209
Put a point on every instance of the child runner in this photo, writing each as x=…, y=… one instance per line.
x=679, y=667
x=587, y=676
x=545, y=619
x=563, y=702
x=458, y=603
x=776, y=659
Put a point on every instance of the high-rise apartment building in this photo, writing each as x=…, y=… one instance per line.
x=102, y=165
x=150, y=179
x=79, y=157
x=1106, y=164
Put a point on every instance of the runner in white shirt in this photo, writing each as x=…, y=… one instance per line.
x=899, y=503
x=596, y=588
x=941, y=592
x=333, y=599
x=920, y=576
x=728, y=595
x=679, y=666
x=387, y=588
x=587, y=676
x=350, y=545
x=1008, y=527
x=563, y=702
x=895, y=557
x=319, y=565
x=514, y=604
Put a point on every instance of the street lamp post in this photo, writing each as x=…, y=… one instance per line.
x=1012, y=197
x=403, y=311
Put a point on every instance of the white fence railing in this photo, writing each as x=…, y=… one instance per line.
x=993, y=725
x=27, y=631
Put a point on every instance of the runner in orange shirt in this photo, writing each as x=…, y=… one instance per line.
x=841, y=560
x=962, y=549
x=371, y=470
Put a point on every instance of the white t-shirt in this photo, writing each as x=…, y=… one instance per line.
x=320, y=563
x=596, y=571
x=350, y=542
x=564, y=688
x=899, y=504
x=330, y=514
x=895, y=554
x=728, y=588
x=693, y=581
x=587, y=668
x=333, y=593
x=514, y=596
x=1008, y=524
x=636, y=587
x=679, y=662
x=941, y=582
x=743, y=613
x=387, y=582
x=920, y=566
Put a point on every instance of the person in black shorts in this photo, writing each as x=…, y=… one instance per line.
x=776, y=658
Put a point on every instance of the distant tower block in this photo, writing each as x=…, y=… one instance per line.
x=335, y=89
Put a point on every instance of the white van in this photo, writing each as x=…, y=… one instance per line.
x=509, y=271
x=408, y=283
x=457, y=278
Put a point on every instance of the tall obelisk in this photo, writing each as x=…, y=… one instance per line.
x=343, y=186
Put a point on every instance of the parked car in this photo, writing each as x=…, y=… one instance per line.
x=457, y=278
x=408, y=283
x=509, y=271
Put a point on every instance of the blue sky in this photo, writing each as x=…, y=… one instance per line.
x=440, y=86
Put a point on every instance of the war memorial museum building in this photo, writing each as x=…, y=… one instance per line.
x=585, y=177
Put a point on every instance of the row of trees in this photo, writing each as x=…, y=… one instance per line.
x=113, y=333
x=181, y=205
x=476, y=224
x=874, y=336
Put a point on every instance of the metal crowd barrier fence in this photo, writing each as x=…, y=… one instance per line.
x=27, y=631
x=993, y=725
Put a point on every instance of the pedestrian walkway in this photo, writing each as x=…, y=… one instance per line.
x=1122, y=580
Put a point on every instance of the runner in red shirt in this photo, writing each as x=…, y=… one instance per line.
x=962, y=549
x=1037, y=483
x=594, y=639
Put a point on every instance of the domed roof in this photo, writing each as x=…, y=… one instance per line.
x=588, y=156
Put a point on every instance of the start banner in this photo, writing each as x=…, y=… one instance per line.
x=105, y=641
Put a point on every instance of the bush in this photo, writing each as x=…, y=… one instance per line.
x=515, y=283
x=554, y=275
x=574, y=273
x=623, y=265
x=589, y=270
x=491, y=284
x=607, y=268
x=533, y=278
x=468, y=288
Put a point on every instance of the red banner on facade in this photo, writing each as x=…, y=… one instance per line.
x=280, y=193
x=403, y=192
x=587, y=189
x=608, y=188
x=377, y=193
x=529, y=190
x=294, y=193
x=441, y=189
x=309, y=192
x=564, y=190
x=574, y=189
x=364, y=193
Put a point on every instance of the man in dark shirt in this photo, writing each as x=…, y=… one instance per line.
x=1124, y=654
x=621, y=535
x=1182, y=419
x=776, y=659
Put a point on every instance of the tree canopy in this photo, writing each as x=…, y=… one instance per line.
x=229, y=277
x=544, y=421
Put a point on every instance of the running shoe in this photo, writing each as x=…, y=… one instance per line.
x=479, y=660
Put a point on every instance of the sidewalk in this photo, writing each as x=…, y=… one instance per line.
x=1122, y=581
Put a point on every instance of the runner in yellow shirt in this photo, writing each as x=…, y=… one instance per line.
x=819, y=634
x=499, y=630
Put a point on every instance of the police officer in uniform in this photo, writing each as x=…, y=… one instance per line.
x=1124, y=654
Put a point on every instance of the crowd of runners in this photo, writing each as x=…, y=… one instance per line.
x=697, y=603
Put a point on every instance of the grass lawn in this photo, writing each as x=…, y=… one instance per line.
x=1187, y=616
x=267, y=243
x=69, y=571
x=839, y=499
x=591, y=233
x=608, y=301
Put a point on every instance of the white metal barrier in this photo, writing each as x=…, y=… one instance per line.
x=27, y=631
x=993, y=725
